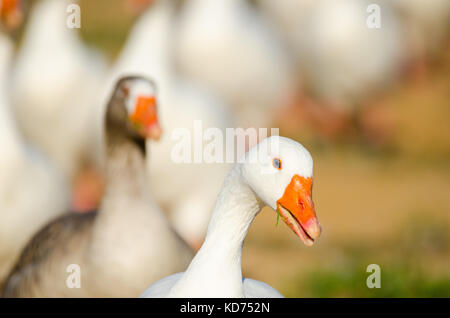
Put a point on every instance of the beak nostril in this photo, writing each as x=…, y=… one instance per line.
x=300, y=202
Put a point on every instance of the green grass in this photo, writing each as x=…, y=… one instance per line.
x=407, y=261
x=397, y=280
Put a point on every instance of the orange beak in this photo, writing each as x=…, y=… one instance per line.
x=138, y=6
x=145, y=117
x=297, y=209
x=11, y=13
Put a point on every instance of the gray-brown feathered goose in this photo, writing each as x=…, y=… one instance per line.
x=128, y=243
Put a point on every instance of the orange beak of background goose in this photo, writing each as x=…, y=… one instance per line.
x=11, y=13
x=297, y=209
x=145, y=117
x=137, y=6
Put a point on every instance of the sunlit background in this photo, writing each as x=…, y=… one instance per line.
x=381, y=145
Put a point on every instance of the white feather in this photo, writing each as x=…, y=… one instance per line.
x=228, y=47
x=31, y=191
x=55, y=80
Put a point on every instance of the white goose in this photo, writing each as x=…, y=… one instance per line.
x=227, y=46
x=31, y=191
x=54, y=83
x=344, y=63
x=129, y=242
x=148, y=51
x=427, y=24
x=338, y=50
x=288, y=17
x=278, y=173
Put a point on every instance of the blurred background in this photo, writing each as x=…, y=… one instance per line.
x=373, y=108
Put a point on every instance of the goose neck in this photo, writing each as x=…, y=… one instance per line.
x=216, y=269
x=148, y=49
x=234, y=211
x=9, y=136
x=125, y=155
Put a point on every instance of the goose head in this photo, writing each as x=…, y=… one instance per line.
x=133, y=106
x=280, y=172
x=11, y=14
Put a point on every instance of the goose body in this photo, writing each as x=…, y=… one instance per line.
x=229, y=48
x=124, y=246
x=427, y=24
x=251, y=289
x=281, y=177
x=32, y=192
x=338, y=50
x=288, y=17
x=54, y=83
x=148, y=51
x=335, y=49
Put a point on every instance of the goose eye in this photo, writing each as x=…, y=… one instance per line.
x=277, y=163
x=126, y=90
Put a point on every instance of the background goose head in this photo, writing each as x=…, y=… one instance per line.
x=280, y=171
x=11, y=14
x=133, y=108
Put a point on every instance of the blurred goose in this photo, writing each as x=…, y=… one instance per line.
x=427, y=26
x=333, y=43
x=287, y=16
x=128, y=243
x=227, y=46
x=148, y=51
x=31, y=190
x=54, y=83
x=338, y=50
x=278, y=173
x=344, y=62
